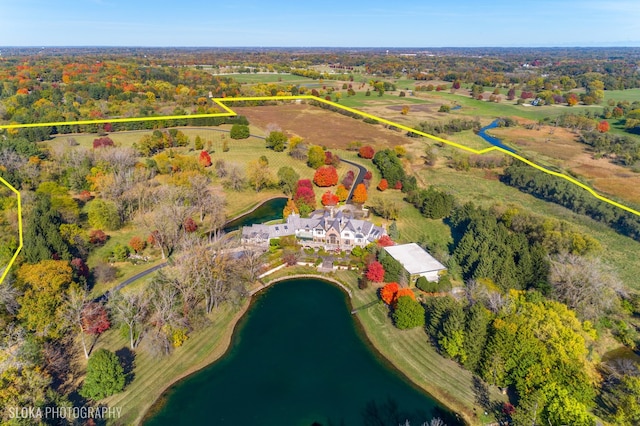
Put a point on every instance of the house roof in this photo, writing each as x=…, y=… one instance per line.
x=414, y=259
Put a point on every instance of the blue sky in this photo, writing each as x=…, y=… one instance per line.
x=319, y=23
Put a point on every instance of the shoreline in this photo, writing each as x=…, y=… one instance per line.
x=225, y=344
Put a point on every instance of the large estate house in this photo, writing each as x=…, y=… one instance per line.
x=328, y=229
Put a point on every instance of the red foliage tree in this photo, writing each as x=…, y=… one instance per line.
x=375, y=272
x=97, y=237
x=398, y=185
x=366, y=152
x=190, y=225
x=137, y=244
x=95, y=319
x=329, y=199
x=84, y=195
x=388, y=292
x=331, y=159
x=326, y=176
x=305, y=195
x=108, y=127
x=383, y=185
x=305, y=183
x=603, y=126
x=385, y=241
x=205, y=159
x=102, y=142
x=347, y=181
x=359, y=194
x=80, y=268
x=368, y=175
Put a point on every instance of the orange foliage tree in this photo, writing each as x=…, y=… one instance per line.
x=329, y=199
x=388, y=292
x=290, y=208
x=326, y=176
x=360, y=194
x=403, y=292
x=366, y=152
x=603, y=126
x=383, y=184
x=385, y=241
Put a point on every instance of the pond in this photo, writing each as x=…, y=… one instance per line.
x=492, y=140
x=298, y=358
x=269, y=210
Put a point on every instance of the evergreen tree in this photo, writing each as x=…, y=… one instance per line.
x=42, y=239
x=105, y=376
x=477, y=323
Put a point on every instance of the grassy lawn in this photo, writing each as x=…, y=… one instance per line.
x=152, y=376
x=630, y=95
x=362, y=100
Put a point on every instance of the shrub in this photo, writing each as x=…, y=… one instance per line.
x=408, y=313
x=239, y=131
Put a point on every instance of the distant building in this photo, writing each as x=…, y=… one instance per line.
x=416, y=261
x=329, y=229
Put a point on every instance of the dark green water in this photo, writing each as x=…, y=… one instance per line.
x=297, y=358
x=269, y=210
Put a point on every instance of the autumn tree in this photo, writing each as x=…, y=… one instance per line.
x=329, y=199
x=603, y=126
x=103, y=215
x=388, y=292
x=325, y=176
x=359, y=194
x=375, y=272
x=137, y=244
x=366, y=152
x=45, y=285
x=385, y=241
x=342, y=193
x=290, y=208
x=204, y=159
x=383, y=185
x=348, y=179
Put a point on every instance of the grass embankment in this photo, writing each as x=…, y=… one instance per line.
x=410, y=352
x=152, y=376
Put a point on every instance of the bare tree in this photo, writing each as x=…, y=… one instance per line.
x=9, y=297
x=12, y=337
x=75, y=302
x=132, y=310
x=236, y=179
x=251, y=261
x=585, y=285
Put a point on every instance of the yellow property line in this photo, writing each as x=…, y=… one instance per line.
x=228, y=112
x=15, y=255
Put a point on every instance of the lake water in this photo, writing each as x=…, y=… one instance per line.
x=298, y=358
x=269, y=210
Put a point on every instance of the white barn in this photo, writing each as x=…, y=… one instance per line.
x=416, y=261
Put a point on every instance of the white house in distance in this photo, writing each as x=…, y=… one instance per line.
x=329, y=229
x=416, y=261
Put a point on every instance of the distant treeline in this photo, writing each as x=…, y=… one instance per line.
x=560, y=191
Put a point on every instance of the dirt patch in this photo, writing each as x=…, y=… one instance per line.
x=321, y=127
x=559, y=145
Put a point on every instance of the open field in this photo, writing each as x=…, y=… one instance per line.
x=558, y=146
x=321, y=127
x=630, y=95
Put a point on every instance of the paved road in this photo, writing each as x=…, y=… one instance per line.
x=130, y=280
x=361, y=172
